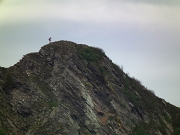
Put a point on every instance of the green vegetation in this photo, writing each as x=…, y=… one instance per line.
x=175, y=114
x=102, y=70
x=133, y=120
x=91, y=54
x=177, y=131
x=2, y=73
x=118, y=69
x=144, y=99
x=139, y=130
x=2, y=69
x=132, y=97
x=145, y=103
x=9, y=81
x=148, y=100
x=84, y=131
x=52, y=104
x=162, y=126
x=167, y=118
x=136, y=93
x=2, y=131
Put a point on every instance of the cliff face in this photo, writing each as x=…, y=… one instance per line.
x=72, y=89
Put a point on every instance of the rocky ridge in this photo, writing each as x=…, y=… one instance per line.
x=74, y=89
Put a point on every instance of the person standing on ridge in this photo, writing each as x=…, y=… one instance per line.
x=50, y=40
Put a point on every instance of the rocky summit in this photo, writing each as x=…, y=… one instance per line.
x=74, y=89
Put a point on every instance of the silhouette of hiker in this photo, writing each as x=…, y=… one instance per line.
x=50, y=40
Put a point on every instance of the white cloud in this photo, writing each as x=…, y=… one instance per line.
x=92, y=12
x=157, y=2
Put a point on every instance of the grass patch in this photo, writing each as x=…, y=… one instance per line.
x=132, y=97
x=83, y=131
x=177, y=131
x=91, y=54
x=2, y=69
x=118, y=69
x=102, y=70
x=2, y=132
x=139, y=130
x=9, y=82
x=175, y=114
x=167, y=118
x=52, y=104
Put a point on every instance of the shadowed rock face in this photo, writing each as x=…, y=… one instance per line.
x=72, y=89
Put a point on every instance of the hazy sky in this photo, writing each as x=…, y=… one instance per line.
x=142, y=36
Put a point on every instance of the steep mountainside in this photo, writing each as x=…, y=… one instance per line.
x=74, y=89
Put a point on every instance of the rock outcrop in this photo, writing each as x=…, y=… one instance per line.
x=74, y=89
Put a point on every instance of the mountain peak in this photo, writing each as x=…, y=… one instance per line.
x=75, y=89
